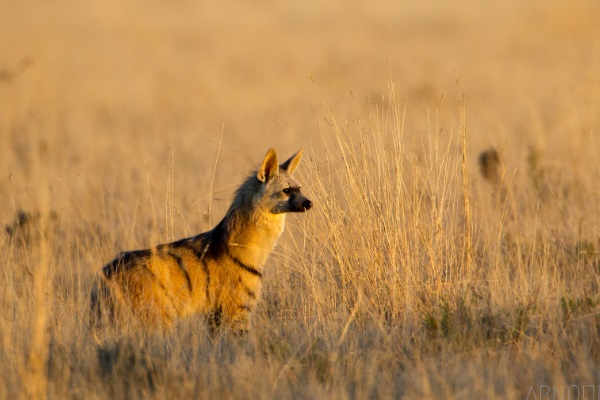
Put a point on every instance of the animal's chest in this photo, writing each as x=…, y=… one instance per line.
x=274, y=225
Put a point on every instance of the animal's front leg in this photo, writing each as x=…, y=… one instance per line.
x=236, y=317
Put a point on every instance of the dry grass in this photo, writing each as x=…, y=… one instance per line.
x=414, y=276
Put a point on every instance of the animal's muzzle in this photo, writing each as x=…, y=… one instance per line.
x=306, y=204
x=299, y=203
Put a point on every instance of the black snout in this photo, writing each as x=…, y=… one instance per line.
x=307, y=204
x=296, y=203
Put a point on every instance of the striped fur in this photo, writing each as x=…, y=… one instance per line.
x=218, y=273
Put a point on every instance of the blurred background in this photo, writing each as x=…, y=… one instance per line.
x=111, y=90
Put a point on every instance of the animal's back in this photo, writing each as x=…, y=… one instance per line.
x=157, y=285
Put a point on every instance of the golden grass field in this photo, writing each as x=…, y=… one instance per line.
x=127, y=124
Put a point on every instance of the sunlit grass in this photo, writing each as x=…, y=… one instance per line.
x=453, y=250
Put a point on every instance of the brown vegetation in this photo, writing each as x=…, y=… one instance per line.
x=406, y=280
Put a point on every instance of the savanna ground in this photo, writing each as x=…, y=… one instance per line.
x=126, y=124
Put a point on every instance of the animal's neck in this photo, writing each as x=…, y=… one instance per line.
x=251, y=237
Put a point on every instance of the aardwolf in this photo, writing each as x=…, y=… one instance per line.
x=217, y=273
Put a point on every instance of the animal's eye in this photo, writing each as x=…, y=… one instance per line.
x=287, y=190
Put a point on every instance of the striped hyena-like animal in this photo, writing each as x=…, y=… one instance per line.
x=218, y=273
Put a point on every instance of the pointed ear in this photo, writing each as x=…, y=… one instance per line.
x=290, y=165
x=268, y=168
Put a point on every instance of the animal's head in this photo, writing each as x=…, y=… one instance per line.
x=281, y=191
x=490, y=166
